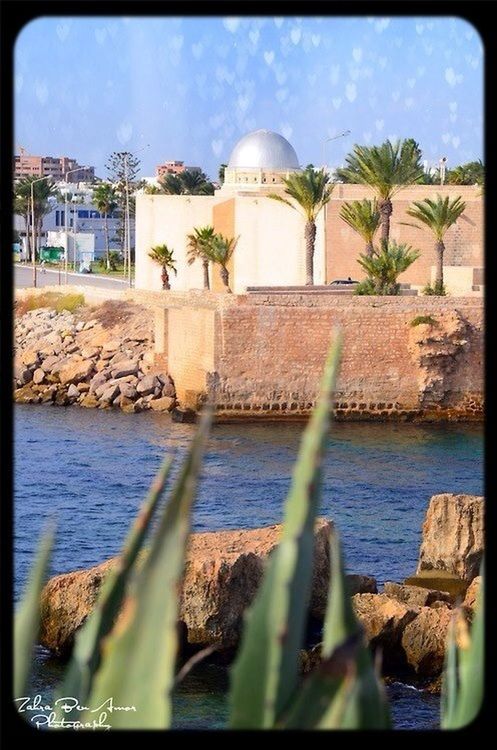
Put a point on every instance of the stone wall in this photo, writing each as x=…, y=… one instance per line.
x=262, y=355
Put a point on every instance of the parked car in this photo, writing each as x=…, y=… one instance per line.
x=343, y=282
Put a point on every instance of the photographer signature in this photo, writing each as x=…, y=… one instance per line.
x=54, y=718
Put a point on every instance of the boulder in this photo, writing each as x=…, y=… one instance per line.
x=89, y=401
x=169, y=390
x=416, y=596
x=384, y=621
x=109, y=394
x=26, y=395
x=22, y=373
x=97, y=381
x=53, y=363
x=75, y=371
x=361, y=584
x=111, y=345
x=222, y=573
x=88, y=352
x=38, y=376
x=30, y=358
x=424, y=640
x=471, y=598
x=127, y=390
x=127, y=367
x=162, y=404
x=147, y=385
x=73, y=392
x=453, y=535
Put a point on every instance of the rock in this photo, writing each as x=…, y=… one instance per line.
x=119, y=357
x=22, y=374
x=89, y=401
x=440, y=580
x=149, y=357
x=222, y=573
x=184, y=415
x=424, y=640
x=71, y=349
x=26, y=395
x=83, y=387
x=162, y=404
x=61, y=398
x=470, y=600
x=415, y=596
x=48, y=395
x=90, y=324
x=80, y=325
x=73, y=391
x=109, y=394
x=98, y=380
x=111, y=345
x=127, y=367
x=38, y=376
x=75, y=371
x=169, y=390
x=139, y=405
x=127, y=390
x=88, y=352
x=30, y=358
x=453, y=535
x=53, y=363
x=147, y=385
x=361, y=584
x=384, y=621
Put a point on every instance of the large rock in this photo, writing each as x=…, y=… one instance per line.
x=162, y=404
x=126, y=367
x=384, y=620
x=415, y=596
x=424, y=640
x=75, y=371
x=453, y=535
x=471, y=598
x=147, y=385
x=223, y=571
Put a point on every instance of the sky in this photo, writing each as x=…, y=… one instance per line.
x=189, y=88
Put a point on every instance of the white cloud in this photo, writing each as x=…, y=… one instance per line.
x=452, y=77
x=231, y=24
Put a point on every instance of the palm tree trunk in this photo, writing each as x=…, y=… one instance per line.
x=386, y=209
x=439, y=276
x=369, y=249
x=165, y=278
x=205, y=264
x=310, y=238
x=106, y=230
x=225, y=278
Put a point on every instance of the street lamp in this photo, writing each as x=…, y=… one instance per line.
x=33, y=233
x=66, y=224
x=333, y=138
x=127, y=216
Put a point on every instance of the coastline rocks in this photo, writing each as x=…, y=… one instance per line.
x=453, y=535
x=222, y=573
x=384, y=620
x=415, y=596
x=424, y=639
x=110, y=357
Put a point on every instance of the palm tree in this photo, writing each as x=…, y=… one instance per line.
x=384, y=266
x=387, y=169
x=310, y=191
x=164, y=257
x=438, y=215
x=198, y=244
x=189, y=182
x=471, y=173
x=105, y=200
x=364, y=218
x=219, y=250
x=43, y=190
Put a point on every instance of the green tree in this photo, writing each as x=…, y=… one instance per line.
x=189, y=182
x=438, y=215
x=122, y=168
x=199, y=242
x=471, y=173
x=105, y=200
x=387, y=169
x=43, y=191
x=219, y=250
x=164, y=257
x=309, y=190
x=364, y=218
x=384, y=266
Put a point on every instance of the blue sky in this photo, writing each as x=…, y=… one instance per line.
x=191, y=87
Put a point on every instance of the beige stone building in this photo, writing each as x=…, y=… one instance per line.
x=271, y=249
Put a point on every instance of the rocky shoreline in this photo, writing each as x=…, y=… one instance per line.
x=407, y=622
x=98, y=357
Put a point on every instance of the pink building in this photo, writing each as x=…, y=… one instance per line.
x=41, y=166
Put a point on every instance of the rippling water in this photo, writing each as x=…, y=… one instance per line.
x=90, y=470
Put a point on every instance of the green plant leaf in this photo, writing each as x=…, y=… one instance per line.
x=265, y=674
x=27, y=617
x=139, y=654
x=86, y=653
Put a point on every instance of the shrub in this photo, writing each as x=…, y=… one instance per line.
x=52, y=300
x=437, y=290
x=423, y=320
x=384, y=266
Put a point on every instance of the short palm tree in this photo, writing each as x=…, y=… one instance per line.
x=438, y=215
x=189, y=182
x=310, y=190
x=364, y=218
x=198, y=244
x=384, y=266
x=164, y=257
x=105, y=200
x=387, y=169
x=219, y=250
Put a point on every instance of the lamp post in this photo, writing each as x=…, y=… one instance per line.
x=66, y=223
x=33, y=231
x=333, y=138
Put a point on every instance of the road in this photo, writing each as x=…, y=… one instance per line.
x=23, y=277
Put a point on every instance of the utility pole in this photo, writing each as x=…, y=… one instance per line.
x=33, y=229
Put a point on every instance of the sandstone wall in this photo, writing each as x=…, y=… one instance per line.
x=267, y=353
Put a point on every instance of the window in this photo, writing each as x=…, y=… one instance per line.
x=82, y=214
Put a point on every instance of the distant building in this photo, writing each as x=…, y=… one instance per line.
x=26, y=165
x=173, y=167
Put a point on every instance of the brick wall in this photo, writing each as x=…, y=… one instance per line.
x=263, y=355
x=464, y=240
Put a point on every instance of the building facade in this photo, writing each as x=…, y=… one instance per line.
x=26, y=165
x=173, y=167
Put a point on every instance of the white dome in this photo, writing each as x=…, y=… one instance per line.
x=263, y=149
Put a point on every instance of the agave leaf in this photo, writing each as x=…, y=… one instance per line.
x=265, y=674
x=462, y=689
x=86, y=653
x=344, y=691
x=27, y=617
x=138, y=658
